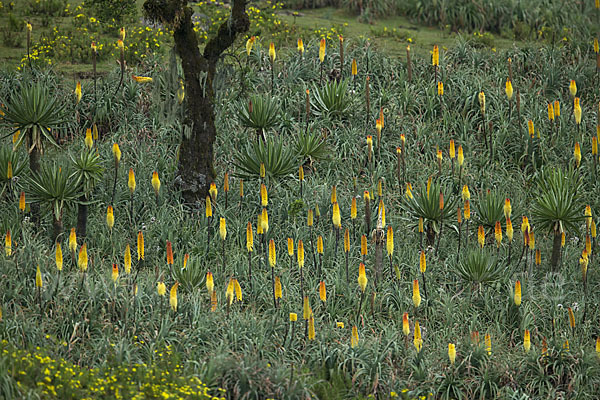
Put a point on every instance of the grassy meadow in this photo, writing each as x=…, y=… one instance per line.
x=407, y=211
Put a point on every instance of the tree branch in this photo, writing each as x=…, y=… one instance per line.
x=237, y=23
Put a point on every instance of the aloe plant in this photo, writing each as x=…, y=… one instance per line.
x=331, y=100
x=87, y=172
x=278, y=160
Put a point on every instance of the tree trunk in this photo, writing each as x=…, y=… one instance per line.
x=556, y=248
x=82, y=216
x=195, y=169
x=57, y=228
x=34, y=166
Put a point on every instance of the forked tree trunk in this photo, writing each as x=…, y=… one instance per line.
x=196, y=170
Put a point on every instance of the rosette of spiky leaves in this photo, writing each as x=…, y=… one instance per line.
x=427, y=206
x=34, y=111
x=191, y=277
x=490, y=208
x=56, y=189
x=278, y=160
x=87, y=170
x=558, y=209
x=480, y=268
x=311, y=146
x=7, y=154
x=331, y=99
x=264, y=113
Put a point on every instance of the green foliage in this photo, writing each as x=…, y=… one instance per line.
x=279, y=161
x=490, y=209
x=311, y=146
x=54, y=188
x=18, y=165
x=119, y=12
x=87, y=170
x=191, y=277
x=36, y=111
x=260, y=113
x=331, y=100
x=558, y=207
x=479, y=268
x=426, y=204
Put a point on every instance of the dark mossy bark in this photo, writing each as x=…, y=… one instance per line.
x=196, y=155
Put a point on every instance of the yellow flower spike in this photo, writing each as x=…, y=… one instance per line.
x=301, y=173
x=418, y=341
x=122, y=33
x=509, y=89
x=390, y=241
x=381, y=213
x=526, y=341
x=241, y=189
x=127, y=259
x=538, y=257
x=467, y=210
x=362, y=277
x=131, y=181
x=173, y=296
x=347, y=241
x=440, y=88
x=452, y=353
x=416, y=297
x=230, y=292
x=507, y=208
x=116, y=153
x=155, y=183
x=272, y=53
x=481, y=236
x=278, y=288
x=333, y=194
x=363, y=245
x=595, y=146
x=509, y=230
x=300, y=254
x=461, y=157
x=110, y=218
x=293, y=317
x=210, y=283
x=223, y=228
x=452, y=150
x=593, y=229
x=264, y=198
x=8, y=244
x=531, y=240
x=550, y=112
x=310, y=218
x=78, y=93
x=596, y=47
x=517, y=296
x=588, y=244
x=38, y=278
x=209, y=212
x=422, y=262
x=30, y=28
x=58, y=257
x=573, y=88
x=482, y=101
x=369, y=145
x=524, y=224
x=213, y=192
x=272, y=254
x=140, y=245
x=408, y=191
x=322, y=50
x=320, y=244
x=566, y=345
x=262, y=171
x=488, y=344
x=300, y=47
x=336, y=217
x=22, y=202
x=238, y=289
x=72, y=240
x=306, y=308
x=89, y=142
x=405, y=324
x=290, y=246
x=142, y=79
x=186, y=258
x=121, y=45
x=420, y=224
x=322, y=292
x=82, y=261
x=577, y=154
x=354, y=339
x=466, y=195
x=598, y=338
x=428, y=186
x=435, y=57
x=530, y=128
x=115, y=273
x=311, y=328
x=498, y=233
x=169, y=253
x=249, y=44
x=556, y=109
x=577, y=110
x=571, y=318
x=354, y=67
x=264, y=221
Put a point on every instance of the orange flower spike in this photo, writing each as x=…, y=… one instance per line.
x=498, y=233
x=405, y=324
x=169, y=253
x=517, y=296
x=481, y=236
x=322, y=292
x=416, y=294
x=362, y=277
